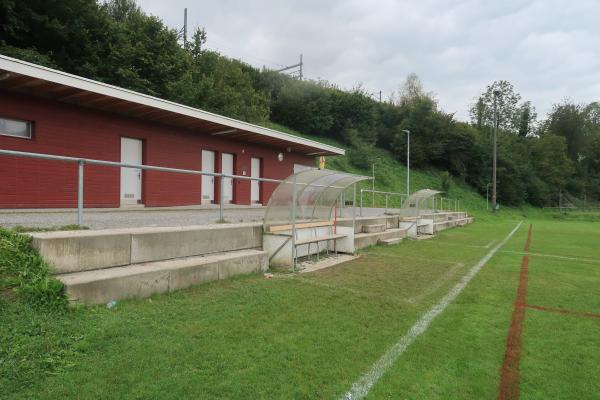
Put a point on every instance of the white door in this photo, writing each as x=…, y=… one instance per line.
x=131, y=178
x=227, y=168
x=208, y=182
x=255, y=185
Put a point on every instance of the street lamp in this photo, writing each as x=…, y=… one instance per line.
x=495, y=157
x=407, y=161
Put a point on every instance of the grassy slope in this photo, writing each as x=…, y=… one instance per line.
x=390, y=176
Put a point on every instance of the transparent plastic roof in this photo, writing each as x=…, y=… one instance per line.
x=421, y=200
x=315, y=191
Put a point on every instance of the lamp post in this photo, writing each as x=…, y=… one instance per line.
x=407, y=160
x=496, y=93
x=487, y=195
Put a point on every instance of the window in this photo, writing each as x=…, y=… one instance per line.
x=15, y=127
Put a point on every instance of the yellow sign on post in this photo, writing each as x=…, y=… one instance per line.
x=322, y=162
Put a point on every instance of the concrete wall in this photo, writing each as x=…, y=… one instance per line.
x=76, y=251
x=63, y=129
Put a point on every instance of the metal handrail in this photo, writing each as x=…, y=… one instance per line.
x=82, y=161
x=448, y=200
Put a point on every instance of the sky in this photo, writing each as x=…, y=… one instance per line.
x=548, y=49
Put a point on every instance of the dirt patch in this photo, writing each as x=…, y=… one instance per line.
x=7, y=294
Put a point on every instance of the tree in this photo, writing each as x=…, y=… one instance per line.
x=525, y=117
x=198, y=40
x=551, y=162
x=503, y=95
x=411, y=92
x=567, y=119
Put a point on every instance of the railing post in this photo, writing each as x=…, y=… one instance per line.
x=361, y=201
x=294, y=225
x=221, y=205
x=80, y=193
x=354, y=213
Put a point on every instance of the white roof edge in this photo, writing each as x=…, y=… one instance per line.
x=52, y=75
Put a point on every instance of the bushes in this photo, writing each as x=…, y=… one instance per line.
x=24, y=271
x=445, y=181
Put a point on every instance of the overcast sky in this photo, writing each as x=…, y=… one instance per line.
x=548, y=49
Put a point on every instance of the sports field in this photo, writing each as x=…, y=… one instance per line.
x=505, y=309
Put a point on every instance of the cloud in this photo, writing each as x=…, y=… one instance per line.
x=546, y=48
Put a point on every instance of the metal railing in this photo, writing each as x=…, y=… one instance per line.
x=81, y=162
x=451, y=204
x=386, y=194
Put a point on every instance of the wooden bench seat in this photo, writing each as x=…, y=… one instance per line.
x=303, y=225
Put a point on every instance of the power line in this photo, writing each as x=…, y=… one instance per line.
x=293, y=68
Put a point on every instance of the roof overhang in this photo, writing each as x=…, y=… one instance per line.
x=23, y=77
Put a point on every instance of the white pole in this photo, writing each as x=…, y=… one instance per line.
x=294, y=225
x=408, y=163
x=373, y=190
x=80, y=193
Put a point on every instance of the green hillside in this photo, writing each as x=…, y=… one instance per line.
x=390, y=176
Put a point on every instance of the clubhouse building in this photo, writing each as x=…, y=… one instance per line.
x=46, y=111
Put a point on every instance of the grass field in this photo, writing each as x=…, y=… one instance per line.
x=315, y=335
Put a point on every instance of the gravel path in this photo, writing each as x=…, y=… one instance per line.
x=95, y=219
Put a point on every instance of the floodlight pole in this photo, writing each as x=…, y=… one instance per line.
x=494, y=193
x=407, y=160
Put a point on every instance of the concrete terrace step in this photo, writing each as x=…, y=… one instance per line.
x=374, y=228
x=145, y=279
x=75, y=251
x=389, y=242
x=440, y=226
x=362, y=240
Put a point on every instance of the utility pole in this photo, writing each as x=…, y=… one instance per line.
x=185, y=28
x=299, y=66
x=494, y=189
x=380, y=96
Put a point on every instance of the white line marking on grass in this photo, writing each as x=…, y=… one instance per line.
x=487, y=246
x=363, y=385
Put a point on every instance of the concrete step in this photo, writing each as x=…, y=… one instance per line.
x=362, y=240
x=144, y=279
x=74, y=251
x=374, y=228
x=389, y=242
x=390, y=221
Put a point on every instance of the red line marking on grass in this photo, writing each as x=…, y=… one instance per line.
x=510, y=370
x=562, y=311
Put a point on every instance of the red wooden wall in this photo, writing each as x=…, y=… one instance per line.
x=69, y=130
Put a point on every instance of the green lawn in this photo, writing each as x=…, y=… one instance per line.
x=313, y=335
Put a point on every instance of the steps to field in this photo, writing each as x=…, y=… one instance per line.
x=105, y=265
x=144, y=279
x=362, y=240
